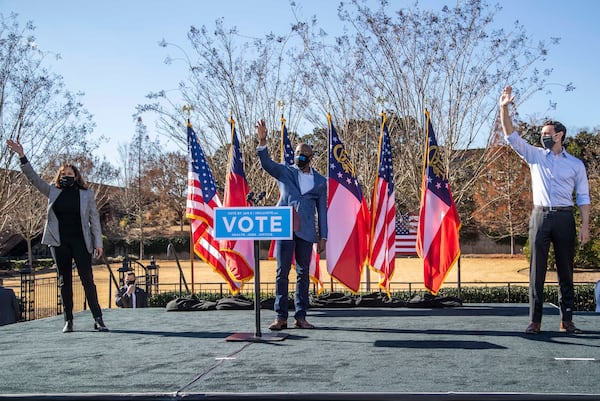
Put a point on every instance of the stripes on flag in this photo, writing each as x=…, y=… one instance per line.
x=347, y=245
x=439, y=224
x=406, y=234
x=382, y=247
x=202, y=199
x=239, y=254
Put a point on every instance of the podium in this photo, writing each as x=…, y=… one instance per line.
x=254, y=224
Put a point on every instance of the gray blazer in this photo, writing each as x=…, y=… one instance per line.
x=311, y=206
x=90, y=219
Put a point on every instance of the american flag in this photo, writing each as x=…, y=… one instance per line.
x=406, y=233
x=287, y=152
x=382, y=247
x=202, y=199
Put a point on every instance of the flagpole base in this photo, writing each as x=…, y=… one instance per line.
x=252, y=337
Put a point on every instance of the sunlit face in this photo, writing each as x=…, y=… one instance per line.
x=67, y=172
x=130, y=278
x=303, y=149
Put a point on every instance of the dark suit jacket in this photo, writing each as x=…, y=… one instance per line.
x=9, y=307
x=309, y=206
x=123, y=299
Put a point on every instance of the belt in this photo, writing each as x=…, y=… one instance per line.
x=554, y=208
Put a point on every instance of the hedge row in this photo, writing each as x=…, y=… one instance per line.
x=584, y=296
x=18, y=264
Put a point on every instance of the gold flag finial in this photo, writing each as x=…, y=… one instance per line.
x=380, y=102
x=187, y=109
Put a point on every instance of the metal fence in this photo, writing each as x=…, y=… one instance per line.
x=40, y=297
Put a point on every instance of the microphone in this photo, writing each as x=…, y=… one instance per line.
x=260, y=196
x=250, y=197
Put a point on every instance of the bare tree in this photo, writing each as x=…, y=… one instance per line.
x=37, y=110
x=135, y=194
x=502, y=194
x=247, y=79
x=451, y=61
x=167, y=176
x=27, y=217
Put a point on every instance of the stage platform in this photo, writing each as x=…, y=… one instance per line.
x=474, y=352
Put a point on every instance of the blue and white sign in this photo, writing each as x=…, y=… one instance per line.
x=254, y=223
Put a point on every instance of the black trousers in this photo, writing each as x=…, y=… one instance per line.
x=74, y=249
x=558, y=228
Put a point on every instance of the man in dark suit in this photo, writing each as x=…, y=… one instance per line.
x=305, y=190
x=9, y=307
x=130, y=295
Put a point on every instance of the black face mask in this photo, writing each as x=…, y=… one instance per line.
x=548, y=142
x=302, y=161
x=67, y=182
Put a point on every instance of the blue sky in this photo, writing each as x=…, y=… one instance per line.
x=110, y=48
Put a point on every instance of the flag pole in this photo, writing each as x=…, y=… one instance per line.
x=188, y=109
x=378, y=100
x=328, y=163
x=192, y=257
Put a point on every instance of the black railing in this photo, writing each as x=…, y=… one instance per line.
x=40, y=297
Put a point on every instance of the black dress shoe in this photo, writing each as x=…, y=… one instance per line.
x=99, y=324
x=68, y=327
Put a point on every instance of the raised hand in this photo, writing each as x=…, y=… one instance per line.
x=506, y=97
x=15, y=147
x=261, y=132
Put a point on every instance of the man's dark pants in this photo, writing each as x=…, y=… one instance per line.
x=558, y=228
x=300, y=250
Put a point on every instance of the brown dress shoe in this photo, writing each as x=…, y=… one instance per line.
x=303, y=324
x=533, y=328
x=569, y=327
x=278, y=324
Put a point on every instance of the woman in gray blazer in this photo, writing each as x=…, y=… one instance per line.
x=72, y=231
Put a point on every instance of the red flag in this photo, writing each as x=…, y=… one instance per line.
x=314, y=269
x=287, y=157
x=347, y=245
x=437, y=234
x=202, y=199
x=382, y=246
x=238, y=253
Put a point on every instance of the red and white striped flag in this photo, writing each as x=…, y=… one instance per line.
x=239, y=254
x=437, y=236
x=406, y=234
x=382, y=247
x=348, y=244
x=202, y=199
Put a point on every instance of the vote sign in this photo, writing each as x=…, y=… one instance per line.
x=253, y=223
